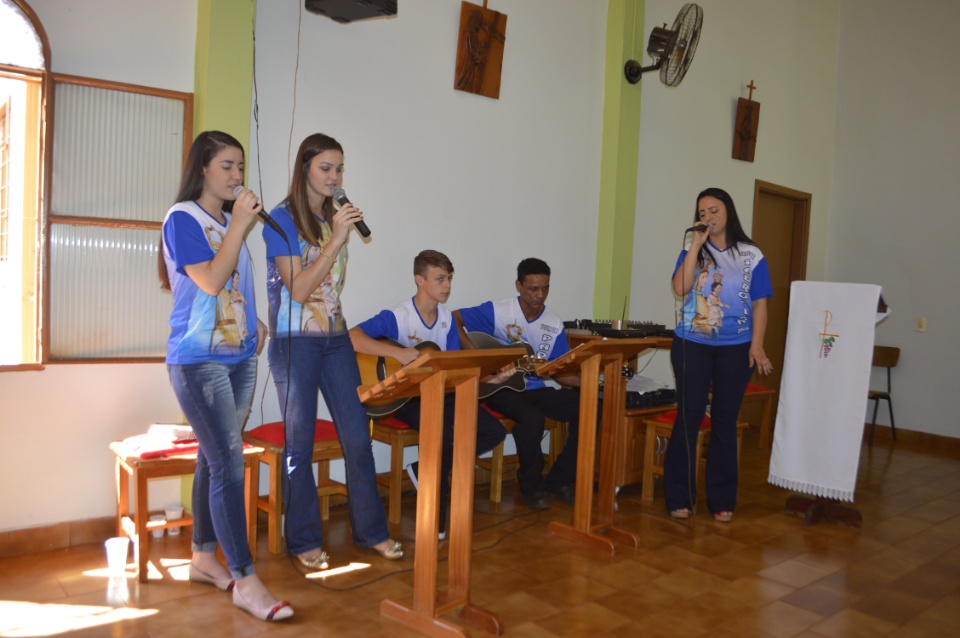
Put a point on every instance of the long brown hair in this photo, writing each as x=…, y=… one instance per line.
x=202, y=152
x=307, y=225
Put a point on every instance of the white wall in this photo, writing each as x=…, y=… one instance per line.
x=486, y=181
x=895, y=199
x=788, y=48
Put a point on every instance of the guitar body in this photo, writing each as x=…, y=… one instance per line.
x=517, y=382
x=374, y=369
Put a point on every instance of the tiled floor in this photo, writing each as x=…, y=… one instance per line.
x=764, y=574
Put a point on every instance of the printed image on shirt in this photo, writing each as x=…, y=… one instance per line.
x=230, y=329
x=322, y=305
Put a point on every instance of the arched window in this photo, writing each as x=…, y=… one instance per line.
x=24, y=78
x=89, y=182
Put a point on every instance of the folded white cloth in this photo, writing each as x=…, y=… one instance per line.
x=823, y=391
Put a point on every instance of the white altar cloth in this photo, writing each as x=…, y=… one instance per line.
x=823, y=390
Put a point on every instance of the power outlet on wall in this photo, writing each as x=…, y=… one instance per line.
x=921, y=324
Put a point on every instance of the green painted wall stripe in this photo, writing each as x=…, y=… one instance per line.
x=625, y=39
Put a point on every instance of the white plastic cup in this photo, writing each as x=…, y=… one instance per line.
x=117, y=550
x=157, y=533
x=174, y=513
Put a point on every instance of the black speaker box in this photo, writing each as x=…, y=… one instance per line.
x=349, y=10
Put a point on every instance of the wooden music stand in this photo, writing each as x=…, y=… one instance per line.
x=592, y=358
x=430, y=376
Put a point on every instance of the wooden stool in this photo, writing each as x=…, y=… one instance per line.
x=658, y=432
x=141, y=470
x=764, y=396
x=495, y=463
x=326, y=447
x=398, y=435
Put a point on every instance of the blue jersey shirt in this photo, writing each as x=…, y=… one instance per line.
x=504, y=319
x=404, y=325
x=718, y=309
x=322, y=314
x=204, y=327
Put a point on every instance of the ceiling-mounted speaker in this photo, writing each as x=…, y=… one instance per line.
x=345, y=11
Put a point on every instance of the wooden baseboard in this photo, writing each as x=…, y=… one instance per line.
x=947, y=445
x=56, y=536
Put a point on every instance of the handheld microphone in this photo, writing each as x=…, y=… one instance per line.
x=341, y=197
x=263, y=215
x=698, y=228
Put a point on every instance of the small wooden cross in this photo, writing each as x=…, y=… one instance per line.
x=751, y=87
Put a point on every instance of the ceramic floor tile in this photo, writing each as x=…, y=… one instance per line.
x=766, y=574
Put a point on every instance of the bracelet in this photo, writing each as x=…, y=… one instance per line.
x=323, y=254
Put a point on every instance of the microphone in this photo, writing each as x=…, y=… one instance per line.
x=341, y=197
x=263, y=215
x=698, y=228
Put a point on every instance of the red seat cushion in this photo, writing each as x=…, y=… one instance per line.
x=670, y=416
x=272, y=433
x=493, y=413
x=393, y=422
x=753, y=387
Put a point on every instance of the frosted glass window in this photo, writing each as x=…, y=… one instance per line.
x=117, y=158
x=105, y=298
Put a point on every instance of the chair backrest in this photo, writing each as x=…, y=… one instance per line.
x=886, y=356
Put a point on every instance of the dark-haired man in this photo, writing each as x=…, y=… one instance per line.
x=526, y=318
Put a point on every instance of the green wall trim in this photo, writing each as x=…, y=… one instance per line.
x=223, y=74
x=620, y=145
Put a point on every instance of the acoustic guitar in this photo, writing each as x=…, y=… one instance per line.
x=374, y=369
x=518, y=381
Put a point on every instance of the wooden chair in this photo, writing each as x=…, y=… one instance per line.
x=326, y=447
x=658, y=432
x=883, y=357
x=494, y=464
x=398, y=435
x=764, y=396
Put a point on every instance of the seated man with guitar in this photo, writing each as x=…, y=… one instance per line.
x=526, y=319
x=401, y=333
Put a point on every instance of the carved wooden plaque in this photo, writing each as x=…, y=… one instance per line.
x=480, y=50
x=745, y=129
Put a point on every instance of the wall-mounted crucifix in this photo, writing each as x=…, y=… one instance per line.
x=480, y=50
x=745, y=127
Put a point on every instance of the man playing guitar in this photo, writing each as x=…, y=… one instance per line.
x=525, y=318
x=420, y=319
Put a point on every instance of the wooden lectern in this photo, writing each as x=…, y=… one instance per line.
x=593, y=358
x=431, y=376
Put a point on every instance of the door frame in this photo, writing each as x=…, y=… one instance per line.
x=801, y=223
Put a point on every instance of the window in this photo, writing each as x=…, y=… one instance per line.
x=113, y=155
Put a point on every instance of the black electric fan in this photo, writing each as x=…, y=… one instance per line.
x=672, y=48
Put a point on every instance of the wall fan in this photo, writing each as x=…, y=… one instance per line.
x=672, y=48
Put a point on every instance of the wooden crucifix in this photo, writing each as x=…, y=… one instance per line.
x=745, y=127
x=480, y=50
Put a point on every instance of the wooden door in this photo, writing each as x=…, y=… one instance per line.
x=781, y=223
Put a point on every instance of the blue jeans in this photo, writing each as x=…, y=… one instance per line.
x=216, y=399
x=299, y=366
x=696, y=368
